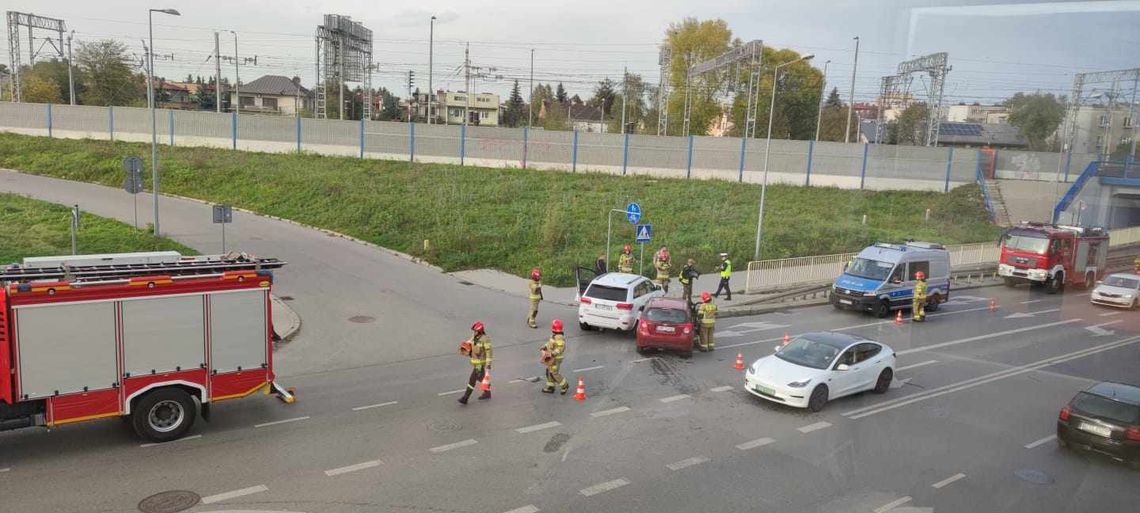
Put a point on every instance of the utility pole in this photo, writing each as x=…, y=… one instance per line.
x=217, y=73
x=340, y=76
x=237, y=77
x=688, y=91
x=624, y=94
x=431, y=52
x=70, y=78
x=530, y=102
x=411, y=79
x=822, y=95
x=851, y=103
x=467, y=83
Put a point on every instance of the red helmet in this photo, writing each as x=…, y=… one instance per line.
x=920, y=275
x=556, y=326
x=536, y=274
x=478, y=326
x=706, y=297
x=626, y=249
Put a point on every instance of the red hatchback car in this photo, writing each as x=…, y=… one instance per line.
x=665, y=323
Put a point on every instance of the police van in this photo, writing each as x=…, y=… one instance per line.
x=881, y=278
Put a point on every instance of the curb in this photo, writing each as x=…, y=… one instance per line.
x=292, y=322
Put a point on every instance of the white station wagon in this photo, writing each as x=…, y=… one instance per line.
x=614, y=300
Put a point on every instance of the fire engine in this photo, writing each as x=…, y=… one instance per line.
x=1053, y=255
x=153, y=337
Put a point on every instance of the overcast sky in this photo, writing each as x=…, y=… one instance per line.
x=995, y=48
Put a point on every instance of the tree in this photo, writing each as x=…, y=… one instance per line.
x=556, y=117
x=206, y=97
x=1036, y=116
x=634, y=96
x=693, y=41
x=54, y=70
x=515, y=114
x=560, y=94
x=106, y=76
x=797, y=97
x=833, y=99
x=604, y=96
x=37, y=88
x=910, y=127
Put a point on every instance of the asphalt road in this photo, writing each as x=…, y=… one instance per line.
x=965, y=427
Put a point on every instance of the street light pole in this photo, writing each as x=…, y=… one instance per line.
x=851, y=100
x=767, y=151
x=431, y=53
x=237, y=79
x=153, y=122
x=822, y=93
x=70, y=78
x=530, y=101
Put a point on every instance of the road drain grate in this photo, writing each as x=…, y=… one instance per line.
x=169, y=502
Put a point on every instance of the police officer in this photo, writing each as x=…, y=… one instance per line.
x=707, y=314
x=535, y=296
x=552, y=353
x=918, y=304
x=688, y=274
x=725, y=269
x=661, y=263
x=625, y=262
x=480, y=353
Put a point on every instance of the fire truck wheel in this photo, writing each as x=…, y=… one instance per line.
x=163, y=415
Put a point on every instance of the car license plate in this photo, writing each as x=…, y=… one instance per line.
x=603, y=307
x=845, y=301
x=666, y=329
x=1095, y=429
x=764, y=390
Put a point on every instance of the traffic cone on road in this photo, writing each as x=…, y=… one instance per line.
x=786, y=338
x=485, y=385
x=739, y=361
x=899, y=319
x=993, y=304
x=580, y=394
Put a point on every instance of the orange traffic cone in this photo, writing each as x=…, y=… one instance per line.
x=739, y=361
x=786, y=338
x=485, y=385
x=993, y=304
x=580, y=394
x=899, y=319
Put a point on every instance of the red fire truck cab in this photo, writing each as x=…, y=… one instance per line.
x=1053, y=255
x=155, y=337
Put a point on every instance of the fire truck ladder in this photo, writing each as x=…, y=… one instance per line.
x=183, y=266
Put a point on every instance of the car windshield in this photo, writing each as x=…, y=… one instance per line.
x=1107, y=408
x=666, y=315
x=606, y=293
x=1121, y=281
x=808, y=353
x=1022, y=242
x=871, y=269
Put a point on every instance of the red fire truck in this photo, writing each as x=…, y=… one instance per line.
x=156, y=337
x=1053, y=255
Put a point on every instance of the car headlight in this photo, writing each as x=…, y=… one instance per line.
x=869, y=294
x=1128, y=296
x=799, y=384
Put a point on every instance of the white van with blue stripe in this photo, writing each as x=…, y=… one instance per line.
x=881, y=278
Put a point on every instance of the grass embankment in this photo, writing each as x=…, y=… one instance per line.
x=512, y=219
x=31, y=227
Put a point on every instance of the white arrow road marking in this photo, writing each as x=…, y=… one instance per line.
x=967, y=299
x=1022, y=315
x=1098, y=331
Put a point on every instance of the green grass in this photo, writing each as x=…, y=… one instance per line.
x=512, y=219
x=31, y=227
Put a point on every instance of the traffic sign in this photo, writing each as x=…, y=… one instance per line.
x=132, y=182
x=223, y=214
x=644, y=233
x=633, y=213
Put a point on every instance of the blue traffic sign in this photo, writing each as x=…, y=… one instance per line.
x=633, y=213
x=644, y=233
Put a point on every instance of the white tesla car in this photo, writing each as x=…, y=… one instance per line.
x=817, y=367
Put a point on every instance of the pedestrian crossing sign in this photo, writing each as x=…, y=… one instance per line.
x=644, y=233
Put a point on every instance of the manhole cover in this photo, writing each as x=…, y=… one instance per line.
x=1033, y=476
x=362, y=319
x=444, y=426
x=169, y=502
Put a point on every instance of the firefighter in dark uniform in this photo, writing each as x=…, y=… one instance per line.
x=688, y=275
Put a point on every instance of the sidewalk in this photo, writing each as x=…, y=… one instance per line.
x=517, y=285
x=286, y=322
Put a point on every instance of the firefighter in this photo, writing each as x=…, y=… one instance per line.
x=625, y=262
x=1135, y=265
x=661, y=263
x=707, y=313
x=479, y=349
x=688, y=274
x=725, y=269
x=918, y=304
x=535, y=296
x=551, y=356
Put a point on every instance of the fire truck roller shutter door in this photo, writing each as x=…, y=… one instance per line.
x=64, y=347
x=238, y=333
x=163, y=334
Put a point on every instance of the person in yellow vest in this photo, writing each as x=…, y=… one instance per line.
x=688, y=274
x=707, y=314
x=479, y=350
x=918, y=304
x=551, y=356
x=661, y=263
x=1136, y=265
x=725, y=269
x=535, y=296
x=625, y=262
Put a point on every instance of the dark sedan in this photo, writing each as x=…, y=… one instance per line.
x=1105, y=418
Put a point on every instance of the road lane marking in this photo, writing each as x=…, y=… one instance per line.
x=673, y=398
x=981, y=380
x=724, y=388
x=456, y=445
x=814, y=427
x=6, y=469
x=611, y=411
x=678, y=465
x=596, y=367
x=1110, y=314
x=892, y=505
x=529, y=508
x=603, y=487
x=986, y=336
x=945, y=482
x=276, y=422
x=538, y=427
x=451, y=392
x=369, y=407
x=916, y=365
x=639, y=360
x=183, y=439
x=1031, y=301
x=1042, y=441
x=759, y=442
x=353, y=468
x=234, y=494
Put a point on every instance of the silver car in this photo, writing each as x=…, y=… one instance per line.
x=1120, y=290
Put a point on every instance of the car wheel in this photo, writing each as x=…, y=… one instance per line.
x=818, y=398
x=884, y=382
x=1134, y=305
x=1056, y=284
x=883, y=309
x=584, y=326
x=934, y=303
